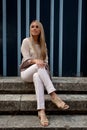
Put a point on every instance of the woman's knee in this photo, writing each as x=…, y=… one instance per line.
x=35, y=66
x=35, y=75
x=26, y=78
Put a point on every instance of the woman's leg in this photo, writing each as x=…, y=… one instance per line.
x=51, y=90
x=27, y=75
x=31, y=75
x=39, y=88
x=46, y=80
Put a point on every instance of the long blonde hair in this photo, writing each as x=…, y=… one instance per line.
x=41, y=40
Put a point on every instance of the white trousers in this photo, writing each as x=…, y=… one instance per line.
x=40, y=78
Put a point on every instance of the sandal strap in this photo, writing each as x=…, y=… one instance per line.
x=44, y=119
x=59, y=103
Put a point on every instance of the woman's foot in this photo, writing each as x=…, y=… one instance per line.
x=58, y=102
x=43, y=118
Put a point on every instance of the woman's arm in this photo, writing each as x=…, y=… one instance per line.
x=25, y=49
x=46, y=59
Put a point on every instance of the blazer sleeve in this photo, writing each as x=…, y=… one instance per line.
x=25, y=50
x=46, y=59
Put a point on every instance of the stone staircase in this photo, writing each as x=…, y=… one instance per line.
x=18, y=105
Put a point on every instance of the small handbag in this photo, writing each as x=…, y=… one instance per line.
x=25, y=64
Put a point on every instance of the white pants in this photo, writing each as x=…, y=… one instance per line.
x=40, y=78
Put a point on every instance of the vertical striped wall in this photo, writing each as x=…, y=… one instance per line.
x=59, y=26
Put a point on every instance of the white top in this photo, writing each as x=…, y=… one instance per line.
x=30, y=52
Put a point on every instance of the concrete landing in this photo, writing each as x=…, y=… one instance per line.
x=62, y=85
x=67, y=122
x=27, y=102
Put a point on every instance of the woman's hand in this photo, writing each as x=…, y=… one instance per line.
x=40, y=63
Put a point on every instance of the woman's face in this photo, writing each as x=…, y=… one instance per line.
x=35, y=29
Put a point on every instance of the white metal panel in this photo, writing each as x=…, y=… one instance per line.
x=18, y=33
x=60, y=36
x=27, y=17
x=4, y=39
x=51, y=35
x=38, y=9
x=79, y=37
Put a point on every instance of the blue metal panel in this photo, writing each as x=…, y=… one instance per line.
x=60, y=36
x=51, y=35
x=4, y=39
x=27, y=17
x=38, y=9
x=79, y=37
x=18, y=32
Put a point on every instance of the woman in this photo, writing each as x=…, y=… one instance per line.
x=34, y=68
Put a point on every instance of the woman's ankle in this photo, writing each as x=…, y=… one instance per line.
x=41, y=111
x=53, y=94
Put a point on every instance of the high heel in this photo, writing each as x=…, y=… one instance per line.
x=59, y=103
x=43, y=119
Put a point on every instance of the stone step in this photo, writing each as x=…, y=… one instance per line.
x=62, y=84
x=23, y=103
x=27, y=122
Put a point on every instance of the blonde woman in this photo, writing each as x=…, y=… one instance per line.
x=34, y=68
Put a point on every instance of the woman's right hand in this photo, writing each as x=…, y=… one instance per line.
x=40, y=63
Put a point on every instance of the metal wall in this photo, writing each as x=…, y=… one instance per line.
x=65, y=24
